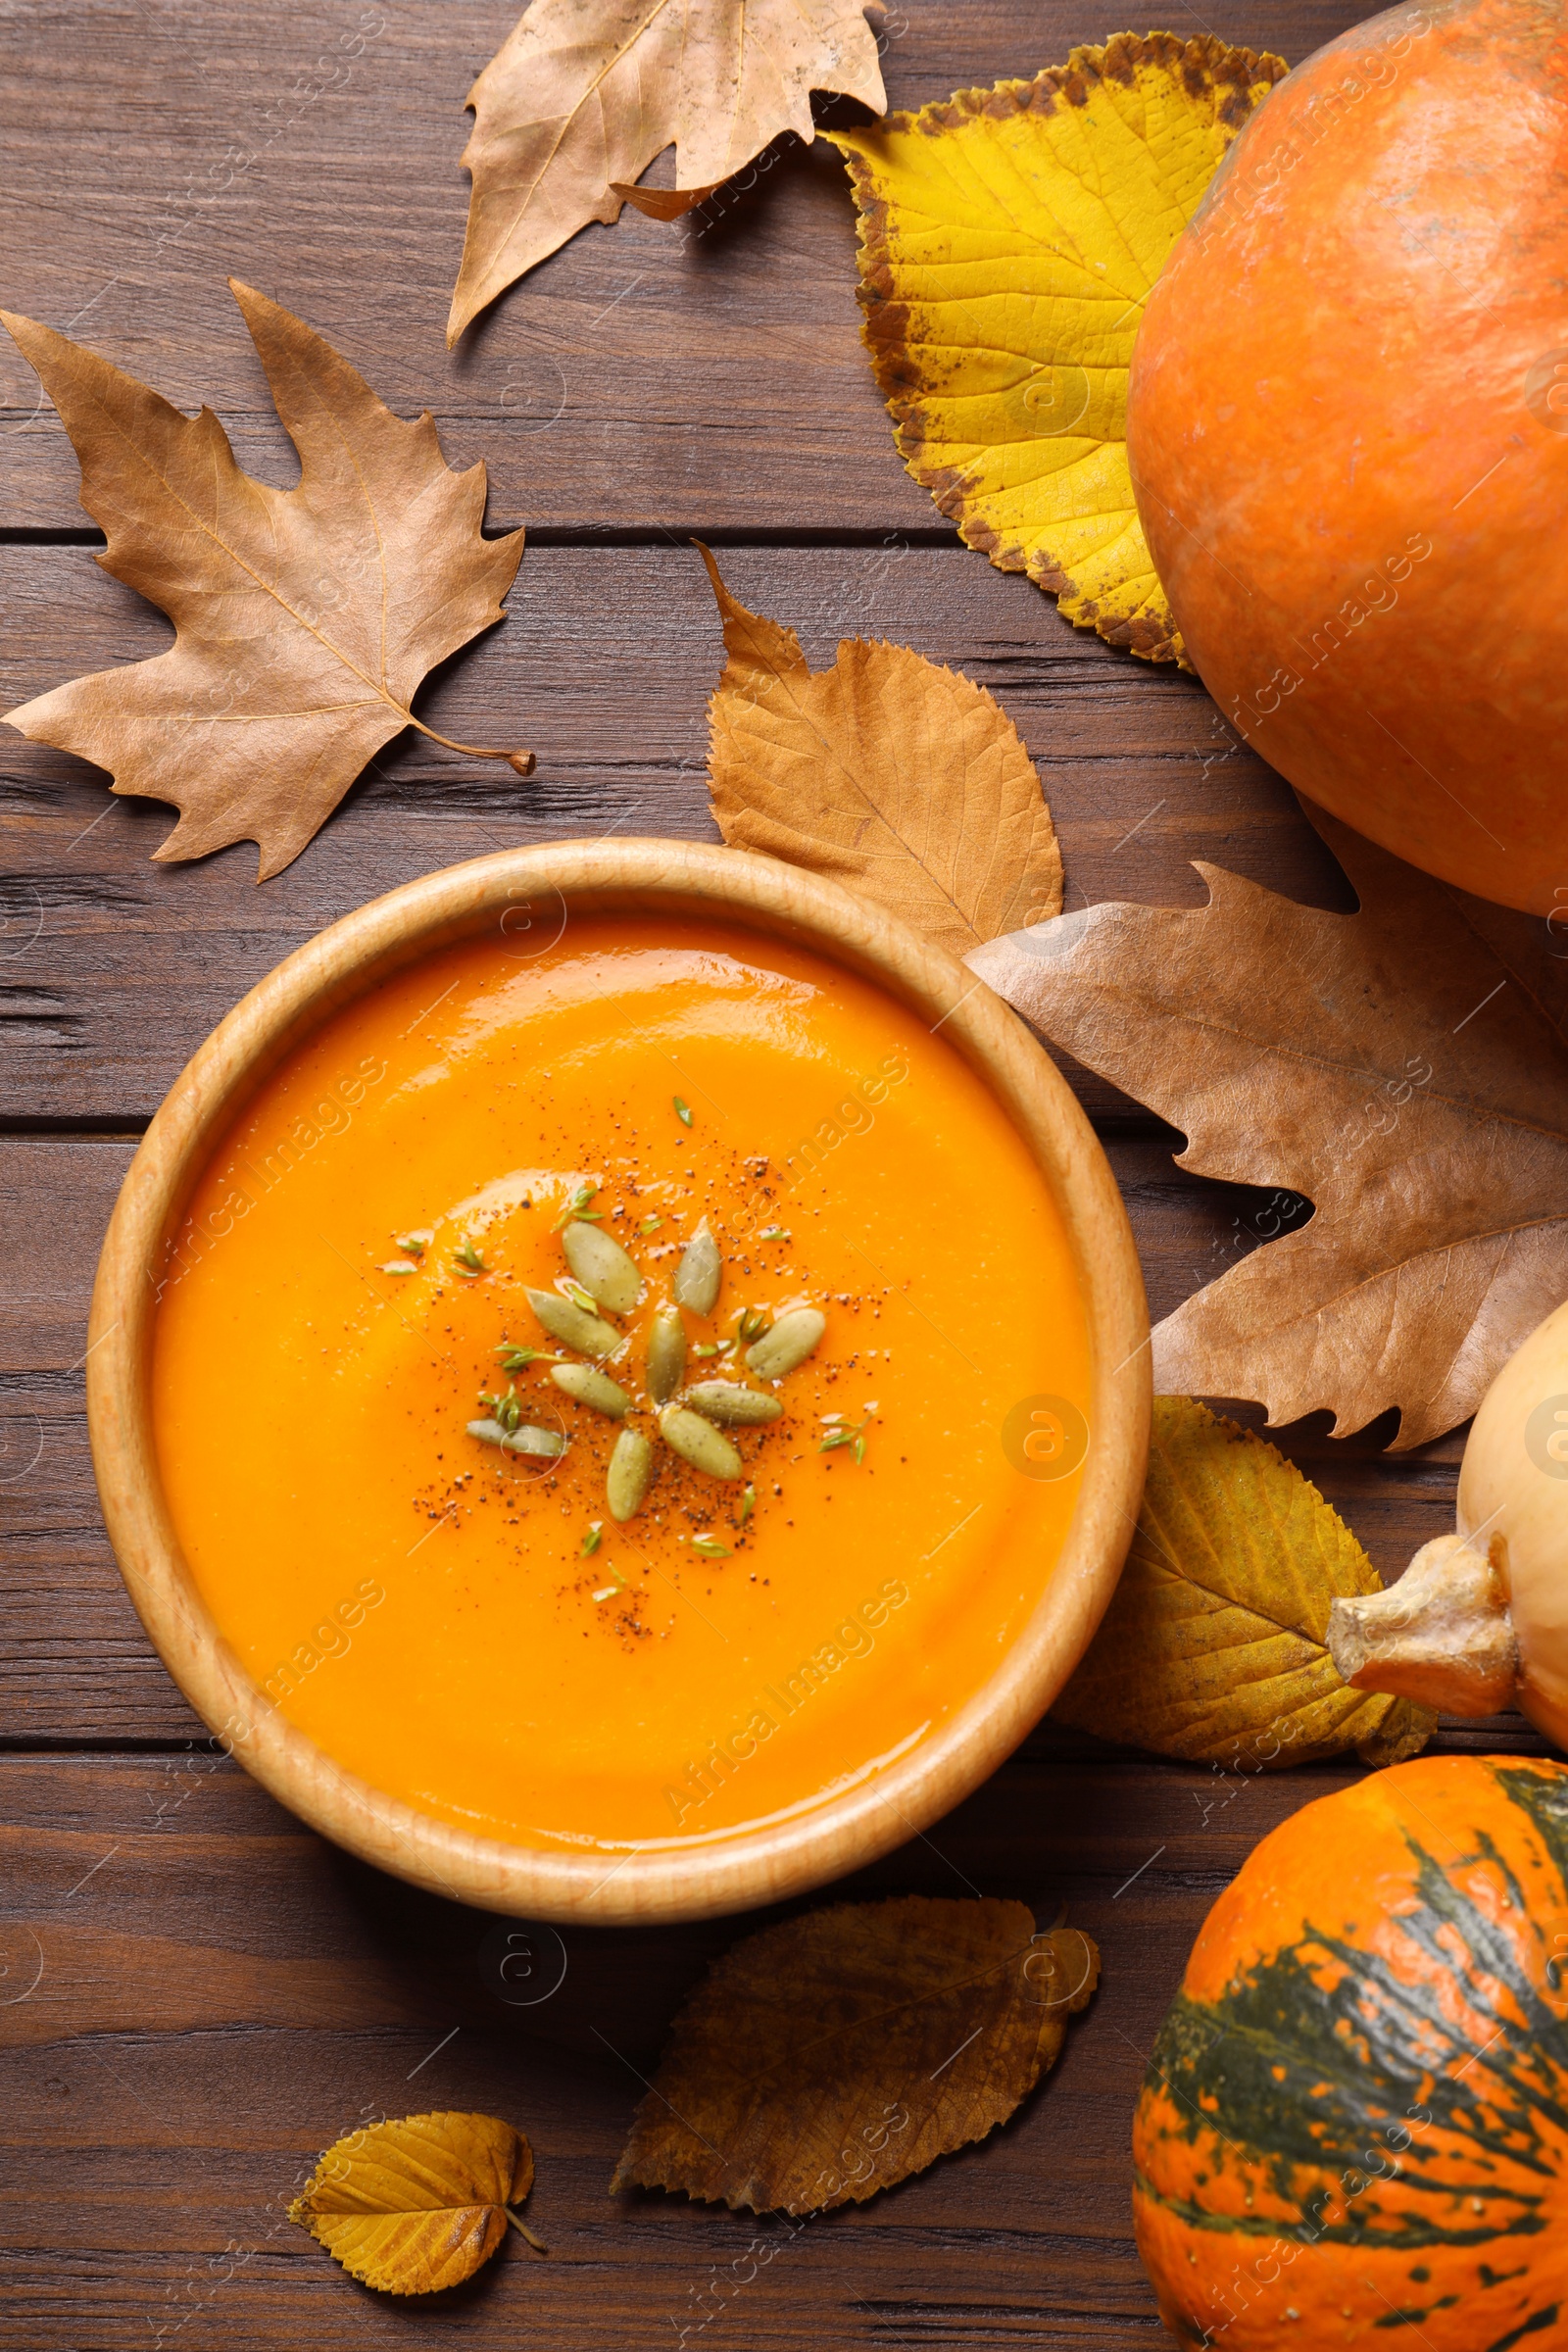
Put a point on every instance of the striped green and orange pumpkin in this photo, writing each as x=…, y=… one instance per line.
x=1354, y=2127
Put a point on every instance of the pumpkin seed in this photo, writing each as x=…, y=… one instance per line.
x=789, y=1342
x=667, y=1354
x=589, y=1386
x=700, y=1272
x=589, y=1333
x=730, y=1405
x=629, y=1476
x=543, y=1445
x=602, y=1266
x=699, y=1443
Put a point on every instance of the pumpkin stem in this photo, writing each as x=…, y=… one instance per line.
x=1441, y=1635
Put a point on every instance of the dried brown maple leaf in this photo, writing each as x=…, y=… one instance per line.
x=583, y=94
x=305, y=619
x=1214, y=1645
x=419, y=2204
x=902, y=780
x=1404, y=1067
x=827, y=2058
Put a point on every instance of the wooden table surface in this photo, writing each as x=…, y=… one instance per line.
x=197, y=1994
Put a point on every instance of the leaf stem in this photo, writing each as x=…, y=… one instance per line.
x=537, y=2243
x=522, y=760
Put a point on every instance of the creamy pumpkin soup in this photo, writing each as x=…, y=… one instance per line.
x=611, y=1396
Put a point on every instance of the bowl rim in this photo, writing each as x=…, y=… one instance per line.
x=342, y=962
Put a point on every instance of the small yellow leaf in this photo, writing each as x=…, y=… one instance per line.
x=419, y=2204
x=1008, y=240
x=1214, y=1648
x=902, y=780
x=826, y=2058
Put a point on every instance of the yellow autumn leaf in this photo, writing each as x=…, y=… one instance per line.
x=1214, y=1647
x=1008, y=240
x=417, y=2204
x=894, y=775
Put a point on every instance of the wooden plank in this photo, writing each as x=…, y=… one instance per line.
x=114, y=969
x=693, y=375
x=218, y=1995
x=200, y=1995
x=74, y=1661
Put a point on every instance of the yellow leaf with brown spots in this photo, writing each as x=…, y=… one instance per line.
x=1008, y=240
x=1214, y=1647
x=827, y=2058
x=419, y=2204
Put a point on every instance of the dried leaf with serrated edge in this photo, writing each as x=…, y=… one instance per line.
x=584, y=93
x=1405, y=1069
x=420, y=2204
x=1213, y=1648
x=827, y=2058
x=304, y=619
x=1008, y=240
x=902, y=780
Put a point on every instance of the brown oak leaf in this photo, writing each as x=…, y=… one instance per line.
x=825, y=2059
x=901, y=779
x=419, y=2204
x=304, y=619
x=583, y=94
x=1404, y=1067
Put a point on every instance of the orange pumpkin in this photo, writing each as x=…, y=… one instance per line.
x=1347, y=425
x=1354, y=2127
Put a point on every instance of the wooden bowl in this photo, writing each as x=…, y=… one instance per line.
x=536, y=888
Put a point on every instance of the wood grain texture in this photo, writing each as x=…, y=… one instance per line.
x=222, y=1993
x=698, y=374
x=112, y=969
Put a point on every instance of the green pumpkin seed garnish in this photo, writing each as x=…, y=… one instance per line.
x=629, y=1476
x=647, y=1225
x=577, y=1206
x=789, y=1341
x=748, y=1504
x=411, y=1244
x=573, y=1325
x=750, y=1323
x=731, y=1405
x=699, y=1443
x=667, y=1354
x=589, y=1386
x=592, y=1539
x=683, y=1110
x=603, y=1267
x=700, y=1272
x=839, y=1432
x=543, y=1445
x=469, y=1261
x=710, y=1547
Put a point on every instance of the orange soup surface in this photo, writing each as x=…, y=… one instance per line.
x=468, y=1627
